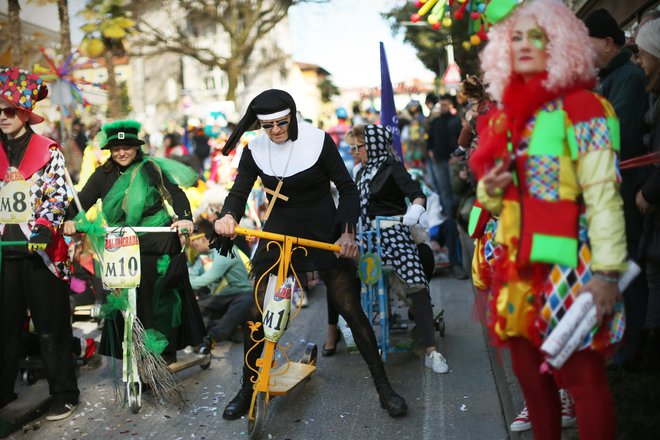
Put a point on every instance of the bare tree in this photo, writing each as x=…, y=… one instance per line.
x=15, y=32
x=65, y=28
x=245, y=22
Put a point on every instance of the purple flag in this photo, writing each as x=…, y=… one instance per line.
x=388, y=117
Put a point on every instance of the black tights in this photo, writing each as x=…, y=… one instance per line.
x=423, y=311
x=343, y=289
x=421, y=308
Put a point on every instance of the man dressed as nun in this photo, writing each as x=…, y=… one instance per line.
x=296, y=163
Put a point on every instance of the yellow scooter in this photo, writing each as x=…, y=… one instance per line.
x=273, y=380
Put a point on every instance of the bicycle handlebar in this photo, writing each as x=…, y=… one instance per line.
x=280, y=237
x=142, y=228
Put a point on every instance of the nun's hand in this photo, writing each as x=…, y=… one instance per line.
x=226, y=226
x=349, y=248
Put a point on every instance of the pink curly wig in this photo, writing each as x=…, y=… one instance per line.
x=570, y=56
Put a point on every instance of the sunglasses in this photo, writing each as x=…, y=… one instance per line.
x=269, y=125
x=357, y=147
x=10, y=112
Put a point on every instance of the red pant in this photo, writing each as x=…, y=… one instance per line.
x=583, y=375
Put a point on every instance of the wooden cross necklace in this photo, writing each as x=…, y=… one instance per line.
x=276, y=194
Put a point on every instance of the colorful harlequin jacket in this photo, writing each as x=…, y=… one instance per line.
x=563, y=215
x=43, y=168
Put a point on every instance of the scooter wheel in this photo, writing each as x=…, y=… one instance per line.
x=256, y=424
x=310, y=355
x=133, y=399
x=28, y=377
x=441, y=327
x=207, y=363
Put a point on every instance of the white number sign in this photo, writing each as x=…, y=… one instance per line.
x=121, y=260
x=15, y=206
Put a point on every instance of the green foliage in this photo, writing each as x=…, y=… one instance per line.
x=107, y=25
x=124, y=99
x=328, y=89
x=430, y=43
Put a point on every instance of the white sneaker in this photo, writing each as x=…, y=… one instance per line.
x=436, y=362
x=521, y=422
x=296, y=299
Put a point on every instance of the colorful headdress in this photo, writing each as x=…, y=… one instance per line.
x=123, y=132
x=22, y=89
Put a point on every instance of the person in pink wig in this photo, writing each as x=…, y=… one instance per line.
x=546, y=165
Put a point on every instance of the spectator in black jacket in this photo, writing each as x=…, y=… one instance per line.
x=648, y=198
x=623, y=83
x=442, y=141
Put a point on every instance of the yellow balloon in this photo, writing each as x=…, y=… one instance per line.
x=475, y=40
x=466, y=45
x=433, y=19
x=446, y=22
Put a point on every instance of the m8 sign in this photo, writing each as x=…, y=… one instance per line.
x=15, y=202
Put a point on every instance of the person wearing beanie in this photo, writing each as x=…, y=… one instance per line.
x=623, y=83
x=648, y=197
x=298, y=161
x=33, y=199
x=648, y=41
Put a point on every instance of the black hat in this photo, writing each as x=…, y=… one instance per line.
x=122, y=133
x=601, y=24
x=268, y=105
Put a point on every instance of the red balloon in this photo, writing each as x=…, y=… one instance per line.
x=436, y=25
x=474, y=15
x=418, y=4
x=415, y=18
x=459, y=14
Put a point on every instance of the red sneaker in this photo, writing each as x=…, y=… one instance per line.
x=568, y=417
x=521, y=422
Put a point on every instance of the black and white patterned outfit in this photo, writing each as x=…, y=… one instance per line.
x=384, y=184
x=35, y=281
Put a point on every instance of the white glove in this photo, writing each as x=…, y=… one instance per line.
x=413, y=214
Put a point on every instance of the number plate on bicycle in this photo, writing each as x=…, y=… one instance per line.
x=121, y=260
x=15, y=205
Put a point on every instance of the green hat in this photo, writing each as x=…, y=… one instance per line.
x=122, y=133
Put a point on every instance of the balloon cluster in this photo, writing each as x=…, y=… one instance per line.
x=440, y=15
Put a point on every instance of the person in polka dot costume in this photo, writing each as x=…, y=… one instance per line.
x=384, y=184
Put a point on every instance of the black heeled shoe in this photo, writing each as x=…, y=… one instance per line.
x=327, y=352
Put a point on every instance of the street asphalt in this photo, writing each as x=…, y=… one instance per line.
x=337, y=402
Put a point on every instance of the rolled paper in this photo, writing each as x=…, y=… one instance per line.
x=578, y=322
x=583, y=329
x=567, y=325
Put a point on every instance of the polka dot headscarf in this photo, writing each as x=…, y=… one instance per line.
x=377, y=141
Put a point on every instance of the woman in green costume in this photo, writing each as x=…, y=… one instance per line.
x=133, y=189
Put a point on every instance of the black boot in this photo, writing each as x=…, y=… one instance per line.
x=240, y=404
x=395, y=405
